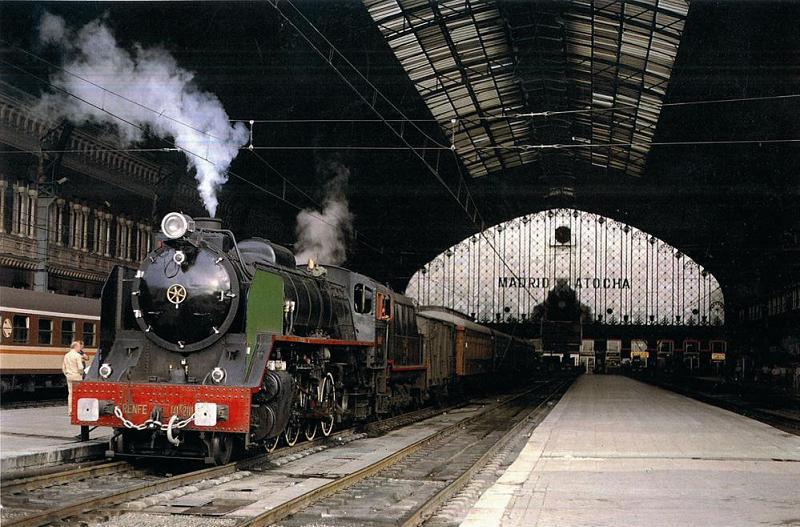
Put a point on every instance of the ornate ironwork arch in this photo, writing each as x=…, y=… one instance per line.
x=620, y=273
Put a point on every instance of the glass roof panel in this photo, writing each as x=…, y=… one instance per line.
x=473, y=59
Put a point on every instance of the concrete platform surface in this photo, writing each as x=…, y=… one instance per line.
x=34, y=437
x=615, y=451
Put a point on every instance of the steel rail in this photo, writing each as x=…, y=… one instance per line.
x=430, y=507
x=132, y=493
x=300, y=502
x=64, y=476
x=169, y=483
x=146, y=489
x=377, y=428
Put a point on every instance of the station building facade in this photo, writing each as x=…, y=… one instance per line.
x=92, y=201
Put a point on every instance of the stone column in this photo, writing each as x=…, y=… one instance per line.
x=21, y=214
x=118, y=251
x=72, y=224
x=116, y=230
x=144, y=240
x=78, y=226
x=3, y=185
x=14, y=209
x=95, y=231
x=16, y=222
x=60, y=221
x=32, y=199
x=52, y=224
x=41, y=206
x=128, y=238
x=98, y=232
x=25, y=217
x=17, y=212
x=107, y=235
x=137, y=249
x=142, y=228
x=68, y=229
x=85, y=229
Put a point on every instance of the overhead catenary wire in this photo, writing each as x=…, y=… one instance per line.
x=438, y=146
x=546, y=113
x=359, y=239
x=481, y=226
x=620, y=106
x=555, y=146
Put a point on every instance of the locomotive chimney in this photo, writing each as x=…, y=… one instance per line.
x=208, y=223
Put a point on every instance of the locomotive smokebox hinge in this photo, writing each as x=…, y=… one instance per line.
x=107, y=407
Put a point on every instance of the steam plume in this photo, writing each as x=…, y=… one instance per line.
x=152, y=78
x=322, y=235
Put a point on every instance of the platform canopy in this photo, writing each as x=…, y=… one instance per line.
x=512, y=82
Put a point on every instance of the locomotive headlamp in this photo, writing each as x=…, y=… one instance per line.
x=105, y=370
x=175, y=224
x=217, y=375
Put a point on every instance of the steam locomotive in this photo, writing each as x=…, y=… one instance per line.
x=214, y=345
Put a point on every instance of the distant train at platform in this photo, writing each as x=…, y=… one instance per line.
x=37, y=330
x=214, y=345
x=691, y=355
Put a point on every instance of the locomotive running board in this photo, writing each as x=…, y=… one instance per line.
x=324, y=342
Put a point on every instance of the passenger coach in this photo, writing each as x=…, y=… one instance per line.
x=37, y=329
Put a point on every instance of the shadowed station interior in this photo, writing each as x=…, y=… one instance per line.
x=400, y=262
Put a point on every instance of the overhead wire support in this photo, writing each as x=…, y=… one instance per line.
x=369, y=97
x=468, y=205
x=188, y=152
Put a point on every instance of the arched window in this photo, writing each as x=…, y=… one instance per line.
x=619, y=274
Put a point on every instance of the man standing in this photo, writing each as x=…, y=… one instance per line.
x=73, y=366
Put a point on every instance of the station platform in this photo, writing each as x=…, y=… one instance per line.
x=615, y=451
x=39, y=437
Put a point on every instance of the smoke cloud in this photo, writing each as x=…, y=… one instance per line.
x=322, y=235
x=166, y=101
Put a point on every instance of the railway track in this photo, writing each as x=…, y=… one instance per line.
x=95, y=491
x=411, y=484
x=10, y=404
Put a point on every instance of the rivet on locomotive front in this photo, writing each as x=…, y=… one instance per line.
x=213, y=346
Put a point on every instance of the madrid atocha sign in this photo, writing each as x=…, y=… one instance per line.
x=580, y=282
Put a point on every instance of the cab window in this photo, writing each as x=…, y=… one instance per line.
x=384, y=307
x=362, y=298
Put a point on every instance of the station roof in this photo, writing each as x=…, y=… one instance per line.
x=508, y=81
x=703, y=97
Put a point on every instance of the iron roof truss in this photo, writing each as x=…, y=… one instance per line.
x=481, y=65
